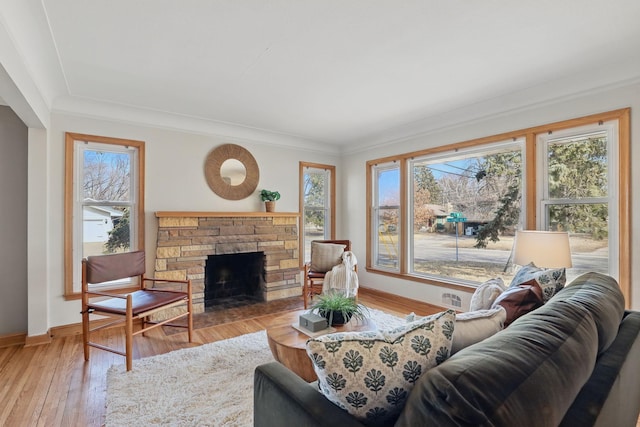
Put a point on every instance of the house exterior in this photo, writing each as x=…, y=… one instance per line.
x=98, y=221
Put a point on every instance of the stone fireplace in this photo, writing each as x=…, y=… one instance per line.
x=186, y=239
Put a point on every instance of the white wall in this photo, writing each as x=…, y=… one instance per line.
x=354, y=208
x=174, y=182
x=13, y=223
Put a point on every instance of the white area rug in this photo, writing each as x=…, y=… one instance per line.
x=210, y=385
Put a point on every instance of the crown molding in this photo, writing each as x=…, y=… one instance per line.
x=125, y=114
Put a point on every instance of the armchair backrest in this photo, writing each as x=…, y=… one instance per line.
x=104, y=268
x=346, y=243
x=325, y=254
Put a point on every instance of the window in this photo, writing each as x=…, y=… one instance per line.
x=455, y=195
x=579, y=192
x=459, y=205
x=104, y=210
x=317, y=200
x=386, y=216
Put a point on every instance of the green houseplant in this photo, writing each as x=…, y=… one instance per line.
x=338, y=309
x=269, y=198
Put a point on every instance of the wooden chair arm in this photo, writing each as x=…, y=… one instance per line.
x=151, y=279
x=186, y=283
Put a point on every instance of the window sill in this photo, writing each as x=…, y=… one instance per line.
x=449, y=284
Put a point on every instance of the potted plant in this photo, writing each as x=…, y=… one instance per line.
x=338, y=309
x=269, y=198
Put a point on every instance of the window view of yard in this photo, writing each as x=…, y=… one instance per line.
x=436, y=255
x=106, y=203
x=317, y=206
x=465, y=206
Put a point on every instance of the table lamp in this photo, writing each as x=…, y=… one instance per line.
x=546, y=249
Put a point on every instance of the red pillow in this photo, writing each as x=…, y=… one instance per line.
x=519, y=300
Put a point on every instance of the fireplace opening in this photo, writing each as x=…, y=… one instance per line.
x=233, y=279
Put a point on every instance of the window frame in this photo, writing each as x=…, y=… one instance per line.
x=377, y=170
x=544, y=201
x=71, y=227
x=530, y=196
x=329, y=198
x=507, y=145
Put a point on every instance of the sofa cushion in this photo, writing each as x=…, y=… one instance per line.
x=536, y=366
x=601, y=294
x=519, y=300
x=325, y=256
x=474, y=326
x=550, y=281
x=370, y=374
x=486, y=294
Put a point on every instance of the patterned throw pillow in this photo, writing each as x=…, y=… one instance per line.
x=324, y=256
x=486, y=294
x=370, y=374
x=549, y=280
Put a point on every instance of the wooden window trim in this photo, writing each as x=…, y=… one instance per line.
x=529, y=134
x=70, y=138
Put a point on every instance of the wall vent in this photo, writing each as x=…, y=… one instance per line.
x=451, y=300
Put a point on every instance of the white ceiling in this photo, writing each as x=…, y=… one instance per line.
x=349, y=73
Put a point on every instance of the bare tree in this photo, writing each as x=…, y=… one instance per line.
x=106, y=176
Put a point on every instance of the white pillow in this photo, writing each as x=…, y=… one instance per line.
x=474, y=326
x=370, y=374
x=486, y=294
x=324, y=256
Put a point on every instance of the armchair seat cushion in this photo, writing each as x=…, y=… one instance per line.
x=142, y=301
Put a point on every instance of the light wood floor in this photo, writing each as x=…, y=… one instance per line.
x=52, y=385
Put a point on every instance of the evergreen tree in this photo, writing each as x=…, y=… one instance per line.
x=119, y=237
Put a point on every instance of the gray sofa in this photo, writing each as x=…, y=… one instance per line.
x=573, y=362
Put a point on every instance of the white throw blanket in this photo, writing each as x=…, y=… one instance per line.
x=343, y=276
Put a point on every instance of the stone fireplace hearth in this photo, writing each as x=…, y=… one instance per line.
x=186, y=239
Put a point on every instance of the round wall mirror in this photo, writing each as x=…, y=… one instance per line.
x=231, y=172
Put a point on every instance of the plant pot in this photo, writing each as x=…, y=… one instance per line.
x=337, y=320
x=270, y=206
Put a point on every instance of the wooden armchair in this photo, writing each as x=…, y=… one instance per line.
x=123, y=309
x=325, y=254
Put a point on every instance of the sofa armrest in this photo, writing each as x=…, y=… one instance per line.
x=281, y=398
x=611, y=397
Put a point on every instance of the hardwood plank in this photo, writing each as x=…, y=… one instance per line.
x=52, y=385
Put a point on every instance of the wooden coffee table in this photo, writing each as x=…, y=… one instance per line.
x=288, y=345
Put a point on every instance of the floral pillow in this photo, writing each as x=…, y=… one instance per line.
x=551, y=281
x=370, y=374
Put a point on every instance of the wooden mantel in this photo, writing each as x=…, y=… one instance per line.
x=180, y=214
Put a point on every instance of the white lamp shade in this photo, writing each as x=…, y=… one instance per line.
x=546, y=249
